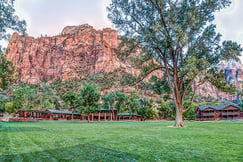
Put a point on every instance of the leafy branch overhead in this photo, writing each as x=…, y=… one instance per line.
x=9, y=20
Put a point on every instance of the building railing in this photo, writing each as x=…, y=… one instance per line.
x=208, y=114
x=230, y=113
x=102, y=114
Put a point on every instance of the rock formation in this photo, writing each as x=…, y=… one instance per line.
x=78, y=51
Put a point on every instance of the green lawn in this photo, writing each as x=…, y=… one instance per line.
x=121, y=141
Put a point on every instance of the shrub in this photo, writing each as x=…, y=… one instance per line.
x=191, y=113
x=9, y=107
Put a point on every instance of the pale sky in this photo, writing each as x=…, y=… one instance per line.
x=51, y=16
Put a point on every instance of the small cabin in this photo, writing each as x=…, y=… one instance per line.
x=221, y=112
x=103, y=114
x=49, y=114
x=31, y=113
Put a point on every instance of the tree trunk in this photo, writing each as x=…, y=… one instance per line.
x=88, y=118
x=72, y=107
x=112, y=114
x=179, y=118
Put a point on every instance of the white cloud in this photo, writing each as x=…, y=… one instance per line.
x=51, y=16
x=229, y=22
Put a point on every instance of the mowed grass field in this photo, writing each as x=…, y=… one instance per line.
x=121, y=141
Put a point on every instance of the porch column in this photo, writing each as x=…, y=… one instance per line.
x=111, y=116
x=105, y=116
x=99, y=117
x=92, y=117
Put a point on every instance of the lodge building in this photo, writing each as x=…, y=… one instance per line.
x=102, y=115
x=221, y=112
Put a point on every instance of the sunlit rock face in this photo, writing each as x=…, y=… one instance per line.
x=82, y=50
x=233, y=75
x=233, y=72
x=76, y=52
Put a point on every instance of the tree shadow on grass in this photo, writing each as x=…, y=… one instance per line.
x=84, y=152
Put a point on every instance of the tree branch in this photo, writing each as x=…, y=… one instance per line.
x=194, y=93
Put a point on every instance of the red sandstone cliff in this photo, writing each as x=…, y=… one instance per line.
x=78, y=52
x=78, y=49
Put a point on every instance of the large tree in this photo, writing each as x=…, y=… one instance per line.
x=109, y=101
x=87, y=99
x=181, y=36
x=69, y=99
x=24, y=98
x=114, y=100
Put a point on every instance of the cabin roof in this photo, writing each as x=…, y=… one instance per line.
x=128, y=114
x=34, y=110
x=219, y=107
x=107, y=109
x=62, y=112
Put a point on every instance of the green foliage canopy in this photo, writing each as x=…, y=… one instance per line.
x=24, y=98
x=87, y=99
x=6, y=72
x=146, y=109
x=9, y=107
x=69, y=98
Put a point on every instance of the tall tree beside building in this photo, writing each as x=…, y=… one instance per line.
x=87, y=99
x=109, y=101
x=114, y=100
x=181, y=37
x=69, y=100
